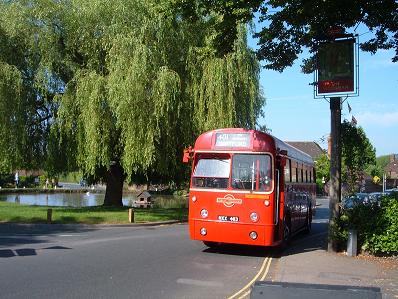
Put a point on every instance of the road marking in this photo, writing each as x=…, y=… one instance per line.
x=267, y=269
x=244, y=295
x=200, y=283
x=246, y=289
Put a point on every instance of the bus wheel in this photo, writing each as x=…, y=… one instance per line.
x=286, y=231
x=211, y=244
x=308, y=222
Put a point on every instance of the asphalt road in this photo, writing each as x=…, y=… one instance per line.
x=54, y=261
x=119, y=262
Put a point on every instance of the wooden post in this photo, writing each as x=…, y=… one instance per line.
x=49, y=215
x=131, y=215
x=335, y=167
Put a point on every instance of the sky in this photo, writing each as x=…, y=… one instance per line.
x=292, y=113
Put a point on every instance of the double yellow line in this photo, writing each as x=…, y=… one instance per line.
x=245, y=291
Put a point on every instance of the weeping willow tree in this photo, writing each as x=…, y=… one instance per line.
x=225, y=91
x=139, y=82
x=25, y=105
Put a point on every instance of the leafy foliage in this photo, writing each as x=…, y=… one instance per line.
x=357, y=154
x=226, y=17
x=121, y=83
x=376, y=224
x=322, y=171
x=24, y=107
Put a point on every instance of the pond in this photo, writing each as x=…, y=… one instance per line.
x=89, y=199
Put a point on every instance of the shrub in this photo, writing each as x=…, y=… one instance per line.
x=376, y=224
x=7, y=180
x=27, y=181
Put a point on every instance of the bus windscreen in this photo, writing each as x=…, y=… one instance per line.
x=211, y=172
x=251, y=172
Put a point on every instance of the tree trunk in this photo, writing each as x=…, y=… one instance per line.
x=114, y=186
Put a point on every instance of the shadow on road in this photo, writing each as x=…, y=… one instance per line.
x=242, y=250
x=20, y=235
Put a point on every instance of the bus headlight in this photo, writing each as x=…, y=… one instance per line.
x=253, y=235
x=254, y=217
x=203, y=231
x=194, y=198
x=266, y=203
x=204, y=213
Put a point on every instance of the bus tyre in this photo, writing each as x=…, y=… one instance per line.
x=286, y=232
x=308, y=222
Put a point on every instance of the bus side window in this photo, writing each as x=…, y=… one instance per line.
x=301, y=174
x=313, y=174
x=294, y=174
x=288, y=171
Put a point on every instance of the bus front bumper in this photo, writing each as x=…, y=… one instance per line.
x=236, y=233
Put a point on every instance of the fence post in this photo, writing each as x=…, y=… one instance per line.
x=49, y=215
x=131, y=215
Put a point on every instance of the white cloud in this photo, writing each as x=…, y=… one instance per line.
x=385, y=119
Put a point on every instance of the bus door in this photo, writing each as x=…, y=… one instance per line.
x=279, y=197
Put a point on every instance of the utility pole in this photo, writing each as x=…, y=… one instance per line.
x=335, y=167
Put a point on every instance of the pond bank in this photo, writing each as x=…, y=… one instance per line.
x=42, y=190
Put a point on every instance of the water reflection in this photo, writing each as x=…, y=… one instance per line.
x=90, y=199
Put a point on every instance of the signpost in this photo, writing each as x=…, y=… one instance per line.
x=336, y=75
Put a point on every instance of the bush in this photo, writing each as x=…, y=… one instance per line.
x=376, y=224
x=27, y=181
x=7, y=180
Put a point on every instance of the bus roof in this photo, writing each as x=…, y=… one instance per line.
x=239, y=139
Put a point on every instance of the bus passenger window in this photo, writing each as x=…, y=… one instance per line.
x=288, y=172
x=251, y=172
x=293, y=166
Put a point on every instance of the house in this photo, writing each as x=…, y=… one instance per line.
x=391, y=171
x=309, y=147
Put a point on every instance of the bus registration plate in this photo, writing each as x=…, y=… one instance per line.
x=228, y=218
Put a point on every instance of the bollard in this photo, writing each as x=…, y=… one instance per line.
x=131, y=215
x=49, y=215
x=352, y=242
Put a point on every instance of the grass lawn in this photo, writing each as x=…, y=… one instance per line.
x=12, y=212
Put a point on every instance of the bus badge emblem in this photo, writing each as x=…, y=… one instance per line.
x=229, y=200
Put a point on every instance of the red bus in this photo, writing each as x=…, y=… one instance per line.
x=248, y=187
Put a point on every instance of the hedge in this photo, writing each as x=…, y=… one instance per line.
x=376, y=224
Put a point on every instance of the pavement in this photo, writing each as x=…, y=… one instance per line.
x=307, y=260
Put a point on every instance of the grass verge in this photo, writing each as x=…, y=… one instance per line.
x=12, y=212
